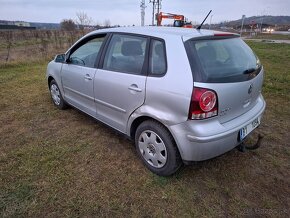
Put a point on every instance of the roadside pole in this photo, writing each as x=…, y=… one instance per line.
x=210, y=22
x=243, y=18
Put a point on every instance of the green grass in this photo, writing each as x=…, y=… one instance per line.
x=272, y=36
x=64, y=164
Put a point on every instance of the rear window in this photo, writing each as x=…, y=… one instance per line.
x=222, y=60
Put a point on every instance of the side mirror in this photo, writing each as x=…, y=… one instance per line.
x=60, y=58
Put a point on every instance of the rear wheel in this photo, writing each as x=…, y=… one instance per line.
x=156, y=147
x=56, y=95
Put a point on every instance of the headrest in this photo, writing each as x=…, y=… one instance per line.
x=207, y=52
x=131, y=48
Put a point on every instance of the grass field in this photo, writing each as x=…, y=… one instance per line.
x=64, y=164
x=272, y=36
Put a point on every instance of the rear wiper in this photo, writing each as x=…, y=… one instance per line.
x=249, y=71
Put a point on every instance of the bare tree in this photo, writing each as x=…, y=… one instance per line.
x=107, y=23
x=68, y=25
x=83, y=20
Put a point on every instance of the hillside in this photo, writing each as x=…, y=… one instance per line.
x=270, y=20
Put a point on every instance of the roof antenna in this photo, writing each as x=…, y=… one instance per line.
x=199, y=27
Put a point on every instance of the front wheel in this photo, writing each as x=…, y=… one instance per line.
x=156, y=147
x=56, y=95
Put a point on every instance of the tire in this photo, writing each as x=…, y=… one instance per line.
x=56, y=96
x=157, y=149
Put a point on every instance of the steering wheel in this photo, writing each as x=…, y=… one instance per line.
x=77, y=61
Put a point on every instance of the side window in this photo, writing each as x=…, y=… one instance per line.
x=86, y=55
x=126, y=54
x=157, y=62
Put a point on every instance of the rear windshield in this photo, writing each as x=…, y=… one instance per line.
x=222, y=60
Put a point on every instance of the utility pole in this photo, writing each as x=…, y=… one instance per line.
x=243, y=18
x=153, y=10
x=261, y=26
x=210, y=22
x=156, y=4
x=142, y=6
x=263, y=13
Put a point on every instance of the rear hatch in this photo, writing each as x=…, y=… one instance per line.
x=227, y=65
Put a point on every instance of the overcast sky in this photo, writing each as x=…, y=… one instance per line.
x=127, y=12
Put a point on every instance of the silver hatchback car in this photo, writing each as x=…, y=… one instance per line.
x=181, y=94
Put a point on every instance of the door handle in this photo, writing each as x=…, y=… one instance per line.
x=88, y=77
x=135, y=88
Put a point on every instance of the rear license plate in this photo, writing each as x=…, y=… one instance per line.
x=249, y=128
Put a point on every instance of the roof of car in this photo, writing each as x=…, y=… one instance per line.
x=160, y=31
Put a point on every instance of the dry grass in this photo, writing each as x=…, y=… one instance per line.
x=64, y=164
x=34, y=45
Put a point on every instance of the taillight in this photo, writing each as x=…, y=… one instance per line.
x=203, y=104
x=224, y=34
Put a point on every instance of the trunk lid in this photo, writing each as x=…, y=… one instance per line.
x=235, y=99
x=230, y=68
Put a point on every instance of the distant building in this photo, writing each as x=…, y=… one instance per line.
x=6, y=22
x=22, y=24
x=15, y=25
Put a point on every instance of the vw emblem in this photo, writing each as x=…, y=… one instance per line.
x=250, y=89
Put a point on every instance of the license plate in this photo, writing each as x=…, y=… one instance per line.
x=249, y=128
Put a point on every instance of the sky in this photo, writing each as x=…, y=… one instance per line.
x=127, y=12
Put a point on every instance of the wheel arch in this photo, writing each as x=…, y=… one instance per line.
x=137, y=121
x=49, y=79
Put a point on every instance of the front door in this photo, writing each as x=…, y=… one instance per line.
x=79, y=72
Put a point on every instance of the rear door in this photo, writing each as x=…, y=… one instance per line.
x=78, y=74
x=120, y=83
x=230, y=68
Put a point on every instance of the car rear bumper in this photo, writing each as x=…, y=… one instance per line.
x=196, y=144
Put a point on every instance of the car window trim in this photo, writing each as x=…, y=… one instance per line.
x=83, y=42
x=144, y=71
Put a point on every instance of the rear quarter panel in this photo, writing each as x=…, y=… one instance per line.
x=168, y=97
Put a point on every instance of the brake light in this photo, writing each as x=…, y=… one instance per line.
x=223, y=34
x=203, y=104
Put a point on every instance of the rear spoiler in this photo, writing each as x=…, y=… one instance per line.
x=215, y=35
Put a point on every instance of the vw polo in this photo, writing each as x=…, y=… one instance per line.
x=181, y=95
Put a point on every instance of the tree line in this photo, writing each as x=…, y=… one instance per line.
x=26, y=45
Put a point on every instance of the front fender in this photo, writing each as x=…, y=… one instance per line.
x=54, y=70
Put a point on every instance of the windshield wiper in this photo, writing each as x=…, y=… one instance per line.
x=249, y=71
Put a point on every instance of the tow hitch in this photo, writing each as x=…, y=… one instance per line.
x=243, y=147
